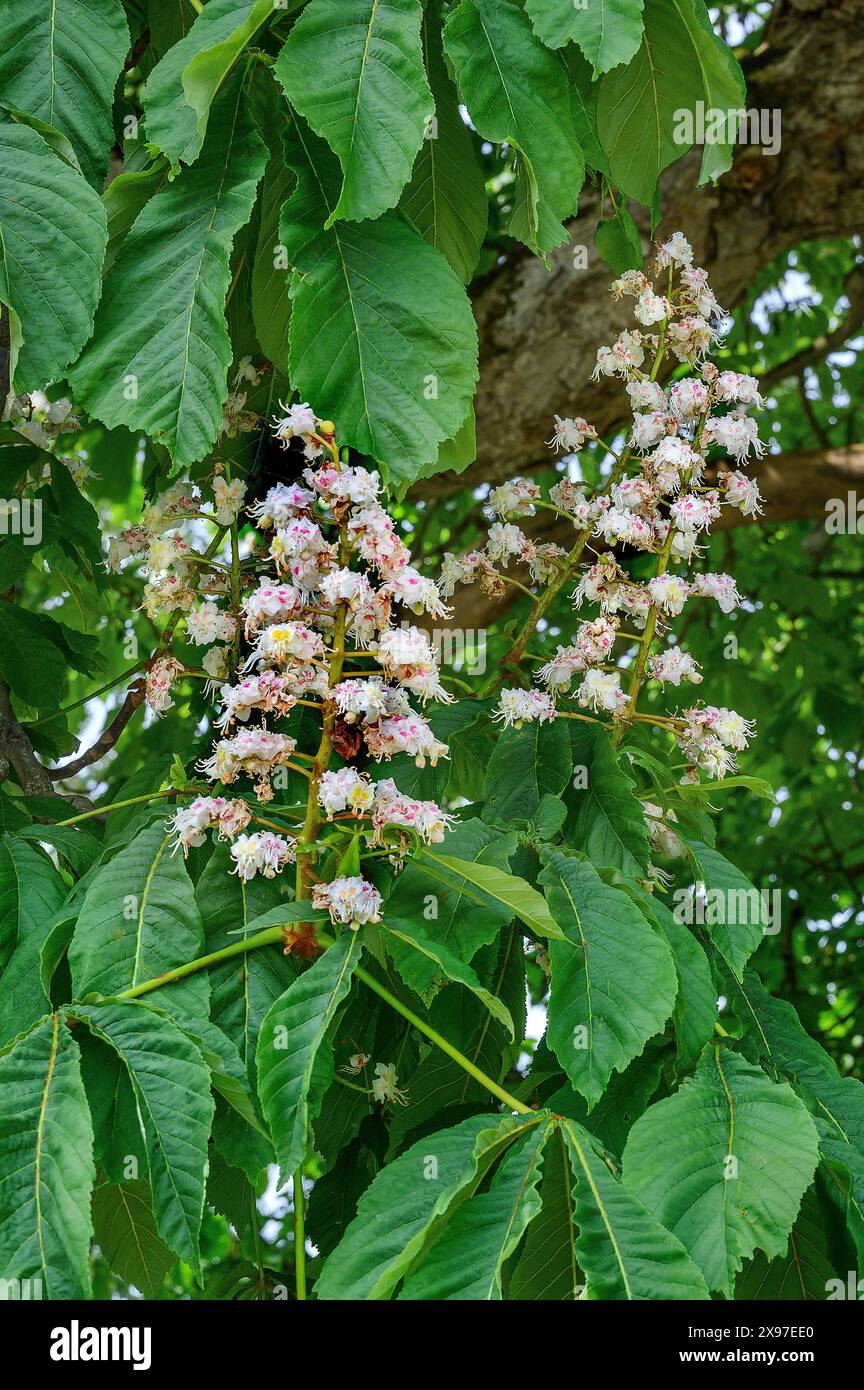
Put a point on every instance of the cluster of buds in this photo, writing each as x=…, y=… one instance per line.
x=664, y=492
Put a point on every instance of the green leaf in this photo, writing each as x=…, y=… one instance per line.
x=608, y=31
x=381, y=327
x=442, y=889
x=271, y=280
x=526, y=765
x=513, y=893
x=162, y=369
x=734, y=912
x=608, y=822
x=613, y=980
x=52, y=238
x=624, y=1251
x=354, y=71
x=806, y=1271
x=172, y=1088
x=466, y=1262
x=289, y=1042
x=138, y=919
x=46, y=1164
x=408, y=1201
x=617, y=240
x=419, y=948
x=637, y=105
x=723, y=82
x=547, y=1269
x=31, y=894
x=517, y=93
x=446, y=197
x=836, y=1103
x=695, y=1010
x=59, y=61
x=183, y=85
x=724, y=1164
x=120, y=1150
x=125, y=1231
x=243, y=989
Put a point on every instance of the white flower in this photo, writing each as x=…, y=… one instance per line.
x=694, y=513
x=160, y=678
x=384, y=1087
x=677, y=250
x=688, y=398
x=669, y=592
x=649, y=429
x=345, y=790
x=208, y=623
x=505, y=540
x=721, y=587
x=672, y=666
x=571, y=434
x=600, y=690
x=736, y=388
x=736, y=433
x=285, y=642
x=518, y=707
x=743, y=492
x=228, y=498
x=514, y=498
x=297, y=420
x=281, y=504
x=404, y=733
x=349, y=900
x=661, y=838
x=646, y=396
x=650, y=308
x=261, y=853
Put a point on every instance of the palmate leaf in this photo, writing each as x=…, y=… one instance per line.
x=46, y=1163
x=125, y=1231
x=624, y=1251
x=608, y=31
x=52, y=240
x=408, y=1202
x=288, y=1046
x=613, y=980
x=446, y=198
x=354, y=71
x=381, y=326
x=466, y=1262
x=172, y=1088
x=181, y=88
x=59, y=61
x=724, y=1164
x=517, y=92
x=138, y=919
x=163, y=368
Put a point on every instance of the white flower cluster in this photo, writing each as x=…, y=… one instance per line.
x=342, y=573
x=657, y=501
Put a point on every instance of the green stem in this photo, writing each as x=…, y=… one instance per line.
x=299, y=1237
x=132, y=801
x=94, y=695
x=238, y=948
x=439, y=1041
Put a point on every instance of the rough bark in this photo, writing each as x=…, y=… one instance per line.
x=539, y=329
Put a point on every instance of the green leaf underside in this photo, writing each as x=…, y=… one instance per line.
x=138, y=919
x=163, y=369
x=172, y=1087
x=288, y=1044
x=354, y=71
x=607, y=31
x=724, y=1164
x=735, y=916
x=446, y=197
x=399, y=350
x=517, y=92
x=407, y=1201
x=52, y=240
x=125, y=1231
x=613, y=980
x=46, y=1164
